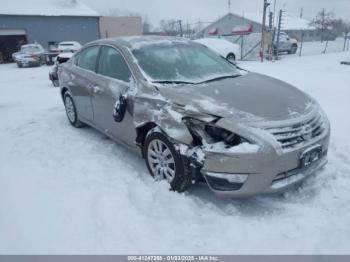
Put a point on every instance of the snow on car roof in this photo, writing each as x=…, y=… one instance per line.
x=137, y=42
x=217, y=41
x=65, y=55
x=48, y=8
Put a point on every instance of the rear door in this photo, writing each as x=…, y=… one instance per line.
x=82, y=81
x=113, y=79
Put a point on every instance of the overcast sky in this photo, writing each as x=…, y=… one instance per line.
x=209, y=10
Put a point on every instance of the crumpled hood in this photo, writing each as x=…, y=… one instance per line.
x=252, y=96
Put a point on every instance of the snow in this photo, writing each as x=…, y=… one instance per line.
x=221, y=46
x=289, y=22
x=243, y=148
x=47, y=8
x=65, y=55
x=74, y=191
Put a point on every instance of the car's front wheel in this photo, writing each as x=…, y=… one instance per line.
x=165, y=162
x=71, y=110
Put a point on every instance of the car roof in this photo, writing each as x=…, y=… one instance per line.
x=31, y=45
x=134, y=42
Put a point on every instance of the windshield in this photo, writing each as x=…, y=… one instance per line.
x=30, y=49
x=180, y=62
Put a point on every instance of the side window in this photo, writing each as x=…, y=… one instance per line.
x=112, y=64
x=88, y=57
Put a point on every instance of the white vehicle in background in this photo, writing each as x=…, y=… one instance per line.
x=69, y=46
x=286, y=44
x=226, y=49
x=29, y=49
x=29, y=55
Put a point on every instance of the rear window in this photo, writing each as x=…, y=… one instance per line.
x=88, y=57
x=31, y=48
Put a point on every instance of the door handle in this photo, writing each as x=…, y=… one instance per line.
x=96, y=89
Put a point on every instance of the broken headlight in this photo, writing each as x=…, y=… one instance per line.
x=211, y=134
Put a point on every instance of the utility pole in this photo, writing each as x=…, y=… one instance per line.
x=272, y=35
x=181, y=32
x=301, y=12
x=263, y=31
x=229, y=6
x=278, y=33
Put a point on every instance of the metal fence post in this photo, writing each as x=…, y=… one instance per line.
x=345, y=40
x=241, y=47
x=301, y=42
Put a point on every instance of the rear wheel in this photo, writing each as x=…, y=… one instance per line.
x=293, y=49
x=71, y=110
x=164, y=162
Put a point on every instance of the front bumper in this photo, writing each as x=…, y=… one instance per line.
x=267, y=171
x=29, y=62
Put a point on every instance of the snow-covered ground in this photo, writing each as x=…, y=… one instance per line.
x=316, y=47
x=66, y=190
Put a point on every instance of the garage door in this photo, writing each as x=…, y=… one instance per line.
x=10, y=42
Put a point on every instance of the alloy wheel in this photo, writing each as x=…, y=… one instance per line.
x=70, y=109
x=161, y=160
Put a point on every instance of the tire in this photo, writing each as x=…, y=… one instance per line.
x=231, y=58
x=293, y=49
x=71, y=110
x=19, y=65
x=174, y=171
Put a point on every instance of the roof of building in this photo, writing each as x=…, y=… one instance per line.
x=288, y=22
x=47, y=8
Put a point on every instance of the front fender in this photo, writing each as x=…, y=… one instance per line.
x=153, y=107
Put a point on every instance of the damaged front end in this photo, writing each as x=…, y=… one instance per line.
x=211, y=138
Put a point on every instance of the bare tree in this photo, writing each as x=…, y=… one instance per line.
x=170, y=27
x=324, y=21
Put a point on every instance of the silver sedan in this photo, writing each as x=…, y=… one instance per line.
x=194, y=116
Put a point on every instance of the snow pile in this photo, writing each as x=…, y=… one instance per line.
x=243, y=148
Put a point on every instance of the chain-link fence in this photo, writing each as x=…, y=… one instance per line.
x=283, y=42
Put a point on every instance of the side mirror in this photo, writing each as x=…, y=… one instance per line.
x=120, y=109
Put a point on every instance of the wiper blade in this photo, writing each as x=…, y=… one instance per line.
x=219, y=78
x=173, y=82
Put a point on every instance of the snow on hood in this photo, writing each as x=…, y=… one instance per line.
x=252, y=97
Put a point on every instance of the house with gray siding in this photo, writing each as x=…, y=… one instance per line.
x=46, y=22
